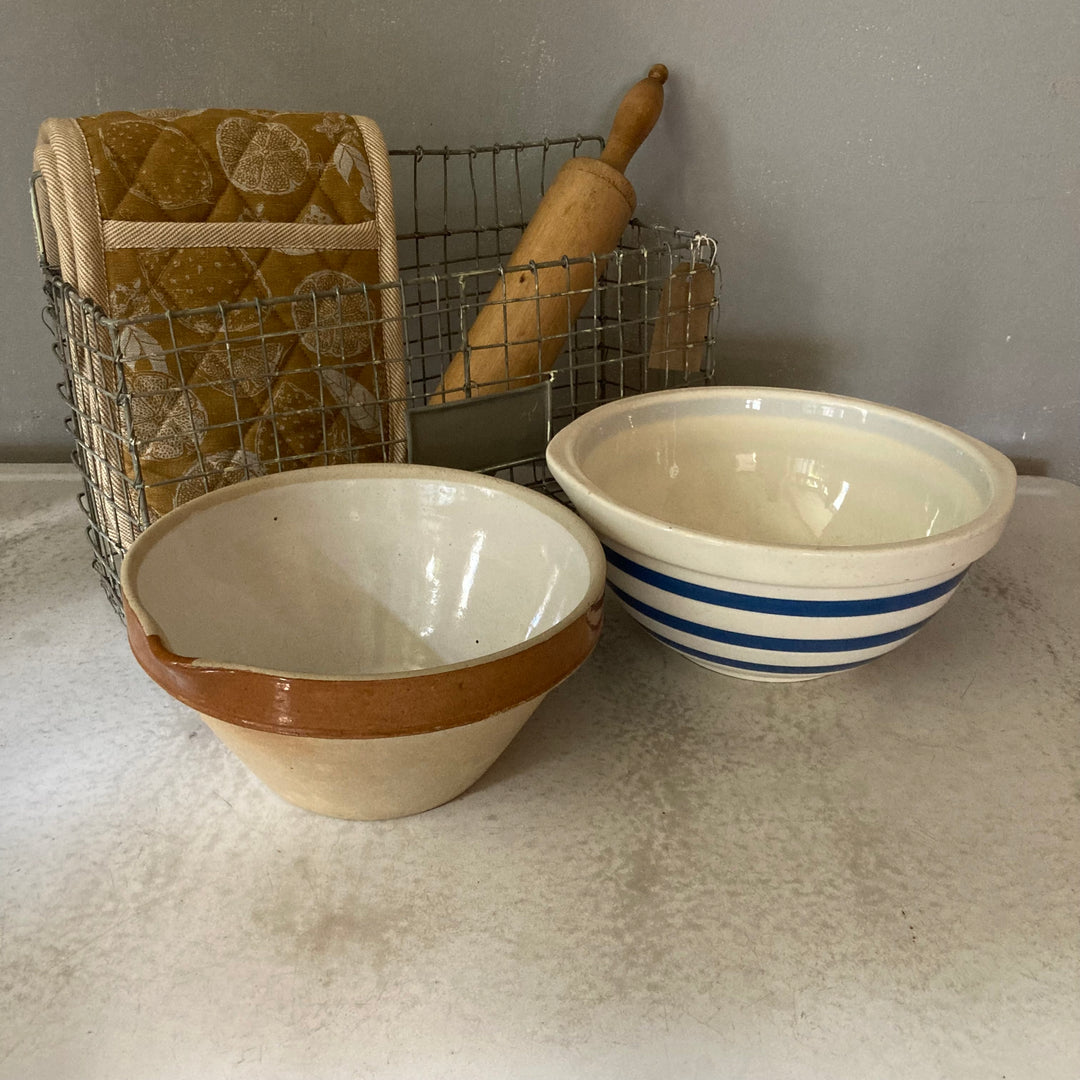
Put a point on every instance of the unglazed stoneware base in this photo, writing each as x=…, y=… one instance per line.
x=374, y=779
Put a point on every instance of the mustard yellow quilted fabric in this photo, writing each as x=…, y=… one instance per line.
x=218, y=395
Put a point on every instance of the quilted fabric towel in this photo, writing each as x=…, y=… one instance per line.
x=160, y=218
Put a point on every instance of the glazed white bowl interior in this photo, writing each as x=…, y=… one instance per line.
x=784, y=469
x=781, y=534
x=340, y=574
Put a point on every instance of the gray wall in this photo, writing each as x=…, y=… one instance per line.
x=895, y=186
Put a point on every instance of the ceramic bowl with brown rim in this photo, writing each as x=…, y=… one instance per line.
x=366, y=638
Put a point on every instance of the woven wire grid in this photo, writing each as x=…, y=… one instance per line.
x=137, y=406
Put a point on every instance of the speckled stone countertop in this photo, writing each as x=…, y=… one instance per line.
x=669, y=874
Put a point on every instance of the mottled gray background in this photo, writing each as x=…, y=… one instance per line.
x=895, y=186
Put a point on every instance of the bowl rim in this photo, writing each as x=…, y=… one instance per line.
x=293, y=702
x=891, y=562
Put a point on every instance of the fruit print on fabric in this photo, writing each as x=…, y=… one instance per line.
x=158, y=163
x=261, y=157
x=227, y=392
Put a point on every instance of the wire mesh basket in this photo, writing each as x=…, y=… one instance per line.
x=646, y=324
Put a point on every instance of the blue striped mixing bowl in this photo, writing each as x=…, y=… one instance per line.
x=780, y=534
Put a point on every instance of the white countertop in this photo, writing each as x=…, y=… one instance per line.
x=669, y=874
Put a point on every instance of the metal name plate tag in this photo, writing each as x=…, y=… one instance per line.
x=483, y=433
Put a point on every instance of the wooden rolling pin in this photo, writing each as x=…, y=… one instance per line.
x=523, y=327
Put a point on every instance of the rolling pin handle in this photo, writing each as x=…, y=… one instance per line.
x=637, y=113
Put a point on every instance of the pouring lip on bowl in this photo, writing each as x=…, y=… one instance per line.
x=833, y=566
x=368, y=705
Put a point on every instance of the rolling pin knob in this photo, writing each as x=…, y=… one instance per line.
x=636, y=116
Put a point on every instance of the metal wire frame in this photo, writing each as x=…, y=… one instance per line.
x=460, y=215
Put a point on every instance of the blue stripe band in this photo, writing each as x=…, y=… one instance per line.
x=767, y=605
x=756, y=641
x=745, y=665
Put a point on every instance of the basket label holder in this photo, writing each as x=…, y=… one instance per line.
x=483, y=433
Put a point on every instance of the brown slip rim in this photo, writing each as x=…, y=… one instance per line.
x=299, y=702
x=373, y=707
